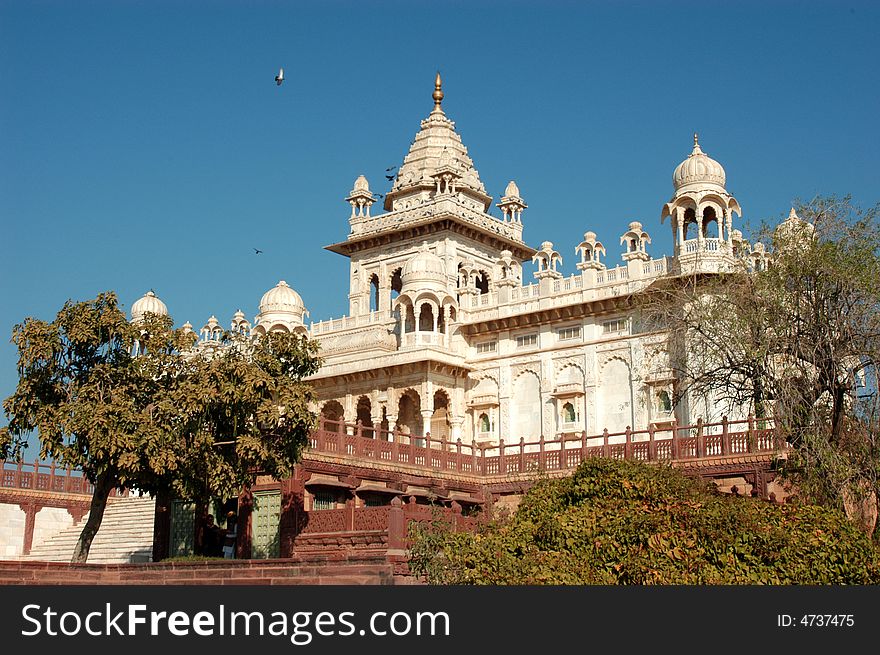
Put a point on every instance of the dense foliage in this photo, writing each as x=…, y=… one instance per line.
x=622, y=522
x=134, y=405
x=793, y=334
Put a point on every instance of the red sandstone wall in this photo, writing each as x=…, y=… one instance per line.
x=351, y=570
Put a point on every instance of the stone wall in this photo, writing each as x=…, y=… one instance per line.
x=341, y=570
x=12, y=518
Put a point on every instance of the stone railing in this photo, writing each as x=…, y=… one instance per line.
x=350, y=322
x=418, y=339
x=50, y=478
x=576, y=288
x=562, y=453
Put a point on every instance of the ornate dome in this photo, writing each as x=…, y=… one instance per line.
x=425, y=266
x=281, y=298
x=512, y=190
x=794, y=227
x=698, y=168
x=148, y=303
x=361, y=184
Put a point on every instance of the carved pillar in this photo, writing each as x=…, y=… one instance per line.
x=456, y=423
x=427, y=415
x=679, y=226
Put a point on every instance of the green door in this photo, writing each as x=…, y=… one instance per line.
x=182, y=517
x=266, y=521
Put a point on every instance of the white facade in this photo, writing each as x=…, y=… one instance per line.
x=443, y=334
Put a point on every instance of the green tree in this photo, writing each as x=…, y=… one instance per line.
x=80, y=389
x=798, y=340
x=135, y=406
x=242, y=411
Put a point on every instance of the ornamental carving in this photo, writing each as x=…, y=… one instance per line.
x=377, y=337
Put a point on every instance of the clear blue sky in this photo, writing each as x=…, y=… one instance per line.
x=145, y=144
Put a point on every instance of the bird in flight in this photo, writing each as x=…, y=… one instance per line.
x=280, y=77
x=258, y=252
x=388, y=170
x=390, y=177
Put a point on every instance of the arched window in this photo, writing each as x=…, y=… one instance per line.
x=364, y=415
x=374, y=293
x=709, y=217
x=690, y=218
x=664, y=404
x=568, y=415
x=483, y=282
x=396, y=284
x=485, y=426
x=426, y=318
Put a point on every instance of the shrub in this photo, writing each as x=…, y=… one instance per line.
x=623, y=522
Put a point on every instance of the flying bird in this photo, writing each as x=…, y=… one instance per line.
x=387, y=170
x=390, y=177
x=258, y=252
x=280, y=77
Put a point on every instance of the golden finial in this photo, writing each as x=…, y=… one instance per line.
x=438, y=92
x=696, y=142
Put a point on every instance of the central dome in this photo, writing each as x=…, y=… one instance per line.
x=424, y=267
x=698, y=168
x=148, y=303
x=281, y=298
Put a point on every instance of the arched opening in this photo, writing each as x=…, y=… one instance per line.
x=664, y=402
x=383, y=426
x=568, y=413
x=633, y=245
x=396, y=285
x=483, y=282
x=690, y=219
x=364, y=415
x=332, y=411
x=374, y=293
x=426, y=318
x=709, y=217
x=440, y=428
x=409, y=318
x=409, y=414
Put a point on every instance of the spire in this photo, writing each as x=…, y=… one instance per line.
x=438, y=93
x=697, y=150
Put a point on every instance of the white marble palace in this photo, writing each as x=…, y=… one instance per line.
x=443, y=334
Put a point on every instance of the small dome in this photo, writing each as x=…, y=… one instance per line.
x=697, y=168
x=187, y=327
x=425, y=266
x=361, y=184
x=281, y=298
x=512, y=189
x=149, y=303
x=794, y=225
x=635, y=226
x=238, y=315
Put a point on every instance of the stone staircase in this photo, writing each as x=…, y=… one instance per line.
x=125, y=535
